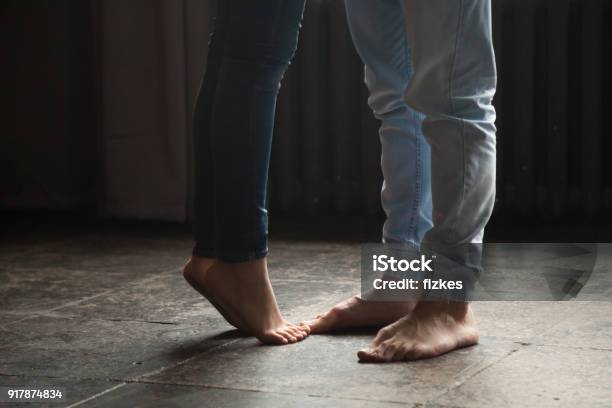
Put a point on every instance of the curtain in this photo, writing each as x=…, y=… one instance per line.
x=150, y=57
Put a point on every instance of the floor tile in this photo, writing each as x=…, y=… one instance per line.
x=78, y=348
x=589, y=326
x=539, y=377
x=327, y=366
x=92, y=311
x=30, y=290
x=168, y=395
x=521, y=321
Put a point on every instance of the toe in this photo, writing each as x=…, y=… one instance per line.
x=369, y=355
x=383, y=335
x=388, y=350
x=304, y=328
x=295, y=332
x=400, y=353
x=305, y=331
x=272, y=338
x=288, y=336
x=323, y=323
x=311, y=321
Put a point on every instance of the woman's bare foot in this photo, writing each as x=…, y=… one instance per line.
x=243, y=294
x=432, y=329
x=358, y=313
x=195, y=271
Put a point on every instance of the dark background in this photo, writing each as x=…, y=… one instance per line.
x=58, y=100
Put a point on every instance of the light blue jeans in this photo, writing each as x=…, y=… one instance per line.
x=435, y=57
x=379, y=35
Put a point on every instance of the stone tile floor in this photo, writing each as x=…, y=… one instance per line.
x=109, y=318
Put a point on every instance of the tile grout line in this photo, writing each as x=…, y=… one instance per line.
x=558, y=322
x=220, y=387
x=140, y=379
x=180, y=363
x=83, y=401
x=530, y=343
x=470, y=376
x=523, y=345
x=42, y=313
x=563, y=346
x=39, y=313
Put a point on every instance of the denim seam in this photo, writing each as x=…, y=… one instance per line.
x=455, y=57
x=417, y=185
x=218, y=33
x=253, y=191
x=267, y=62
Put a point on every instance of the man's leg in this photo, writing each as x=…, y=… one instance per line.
x=453, y=84
x=379, y=35
x=378, y=31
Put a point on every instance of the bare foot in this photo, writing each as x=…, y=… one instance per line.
x=243, y=294
x=432, y=329
x=358, y=313
x=194, y=272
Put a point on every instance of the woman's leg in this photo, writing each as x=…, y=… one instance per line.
x=251, y=47
x=203, y=159
x=257, y=42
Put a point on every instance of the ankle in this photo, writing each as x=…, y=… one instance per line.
x=457, y=310
x=196, y=265
x=198, y=260
x=254, y=269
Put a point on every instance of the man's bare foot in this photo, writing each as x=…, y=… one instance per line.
x=432, y=329
x=243, y=294
x=358, y=313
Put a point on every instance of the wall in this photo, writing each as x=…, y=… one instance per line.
x=47, y=158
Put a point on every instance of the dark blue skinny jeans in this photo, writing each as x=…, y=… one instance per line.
x=251, y=46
